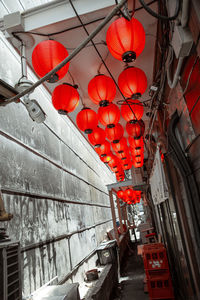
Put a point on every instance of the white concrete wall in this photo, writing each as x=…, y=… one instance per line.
x=53, y=186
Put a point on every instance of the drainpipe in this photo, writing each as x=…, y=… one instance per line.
x=184, y=20
x=4, y=216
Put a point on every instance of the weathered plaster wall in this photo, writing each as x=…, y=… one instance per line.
x=52, y=181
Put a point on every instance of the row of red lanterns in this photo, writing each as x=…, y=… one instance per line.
x=129, y=196
x=125, y=40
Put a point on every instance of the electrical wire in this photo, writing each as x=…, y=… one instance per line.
x=158, y=16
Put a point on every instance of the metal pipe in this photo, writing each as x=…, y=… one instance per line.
x=72, y=55
x=184, y=15
x=173, y=83
x=23, y=61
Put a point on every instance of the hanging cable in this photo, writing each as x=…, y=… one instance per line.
x=158, y=16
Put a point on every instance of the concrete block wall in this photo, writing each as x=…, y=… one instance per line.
x=52, y=181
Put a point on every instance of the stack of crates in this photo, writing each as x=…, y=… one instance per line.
x=157, y=272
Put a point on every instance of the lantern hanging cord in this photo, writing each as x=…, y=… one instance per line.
x=103, y=62
x=68, y=58
x=158, y=16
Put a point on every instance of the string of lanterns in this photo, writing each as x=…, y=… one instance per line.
x=129, y=196
x=125, y=40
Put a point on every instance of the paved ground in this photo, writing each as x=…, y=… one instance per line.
x=131, y=285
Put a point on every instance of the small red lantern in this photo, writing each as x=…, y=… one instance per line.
x=132, y=111
x=114, y=162
x=109, y=115
x=136, y=144
x=123, y=155
x=120, y=194
x=65, y=98
x=137, y=152
x=114, y=134
x=46, y=56
x=97, y=137
x=125, y=39
x=87, y=120
x=120, y=146
x=132, y=82
x=107, y=158
x=102, y=90
x=135, y=129
x=127, y=165
x=104, y=149
x=129, y=193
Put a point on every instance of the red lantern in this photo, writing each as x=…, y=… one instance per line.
x=120, y=194
x=129, y=193
x=137, y=152
x=132, y=82
x=121, y=146
x=136, y=144
x=125, y=39
x=135, y=129
x=133, y=111
x=109, y=115
x=46, y=56
x=107, y=158
x=120, y=177
x=127, y=165
x=65, y=98
x=87, y=120
x=102, y=90
x=97, y=137
x=123, y=155
x=114, y=162
x=104, y=149
x=114, y=134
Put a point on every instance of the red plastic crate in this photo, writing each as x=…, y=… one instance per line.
x=155, y=259
x=160, y=287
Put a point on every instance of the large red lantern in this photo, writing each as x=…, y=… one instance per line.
x=132, y=111
x=114, y=134
x=46, y=56
x=104, y=149
x=136, y=144
x=121, y=146
x=132, y=82
x=135, y=129
x=109, y=115
x=65, y=98
x=87, y=120
x=97, y=137
x=102, y=90
x=125, y=39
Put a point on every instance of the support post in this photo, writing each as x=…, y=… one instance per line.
x=120, y=216
x=113, y=217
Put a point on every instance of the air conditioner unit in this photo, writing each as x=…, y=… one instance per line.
x=58, y=292
x=10, y=269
